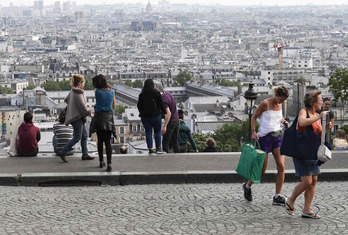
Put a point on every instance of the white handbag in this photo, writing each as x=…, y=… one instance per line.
x=324, y=153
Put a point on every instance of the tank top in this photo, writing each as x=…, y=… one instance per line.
x=316, y=125
x=270, y=121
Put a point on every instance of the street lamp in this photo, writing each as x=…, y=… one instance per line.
x=250, y=95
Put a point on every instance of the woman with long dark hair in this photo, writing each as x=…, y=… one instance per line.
x=103, y=117
x=151, y=108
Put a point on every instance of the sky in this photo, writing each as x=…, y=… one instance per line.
x=202, y=2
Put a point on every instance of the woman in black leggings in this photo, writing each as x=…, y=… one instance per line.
x=103, y=117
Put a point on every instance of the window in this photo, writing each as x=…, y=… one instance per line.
x=134, y=128
x=269, y=72
x=121, y=130
x=142, y=128
x=121, y=140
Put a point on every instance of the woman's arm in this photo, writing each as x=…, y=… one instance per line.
x=304, y=121
x=260, y=109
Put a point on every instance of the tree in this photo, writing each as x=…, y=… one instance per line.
x=88, y=84
x=128, y=83
x=301, y=80
x=65, y=85
x=119, y=109
x=30, y=87
x=6, y=90
x=199, y=140
x=339, y=83
x=183, y=77
x=51, y=86
x=225, y=82
x=137, y=84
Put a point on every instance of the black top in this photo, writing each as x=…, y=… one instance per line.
x=150, y=104
x=209, y=149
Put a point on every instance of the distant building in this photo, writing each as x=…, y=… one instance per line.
x=140, y=25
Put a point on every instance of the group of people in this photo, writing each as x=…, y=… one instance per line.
x=269, y=136
x=71, y=126
x=154, y=105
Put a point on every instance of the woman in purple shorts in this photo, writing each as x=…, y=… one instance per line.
x=270, y=138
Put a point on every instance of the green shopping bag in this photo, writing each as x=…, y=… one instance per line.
x=251, y=162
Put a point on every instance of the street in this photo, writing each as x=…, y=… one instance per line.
x=167, y=209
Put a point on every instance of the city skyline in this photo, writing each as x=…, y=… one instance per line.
x=5, y=3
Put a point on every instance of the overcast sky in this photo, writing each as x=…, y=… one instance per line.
x=207, y=2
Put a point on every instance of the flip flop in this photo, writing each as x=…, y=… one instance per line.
x=290, y=210
x=310, y=215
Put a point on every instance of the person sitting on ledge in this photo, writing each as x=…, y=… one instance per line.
x=28, y=137
x=123, y=150
x=210, y=145
x=340, y=142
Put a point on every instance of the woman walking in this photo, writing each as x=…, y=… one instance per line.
x=307, y=170
x=76, y=115
x=151, y=109
x=103, y=118
x=270, y=138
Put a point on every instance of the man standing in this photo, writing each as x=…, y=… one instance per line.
x=170, y=128
x=329, y=121
x=184, y=134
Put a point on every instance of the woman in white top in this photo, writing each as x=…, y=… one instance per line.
x=340, y=142
x=270, y=138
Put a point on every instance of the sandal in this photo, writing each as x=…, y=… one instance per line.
x=310, y=215
x=290, y=210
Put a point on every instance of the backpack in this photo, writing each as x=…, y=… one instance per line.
x=149, y=106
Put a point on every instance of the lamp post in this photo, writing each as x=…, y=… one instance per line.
x=250, y=95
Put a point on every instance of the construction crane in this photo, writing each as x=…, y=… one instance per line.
x=279, y=49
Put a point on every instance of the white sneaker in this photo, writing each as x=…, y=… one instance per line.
x=159, y=151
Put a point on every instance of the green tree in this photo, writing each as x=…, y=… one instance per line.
x=30, y=87
x=339, y=83
x=88, y=84
x=301, y=80
x=183, y=77
x=6, y=90
x=128, y=83
x=137, y=84
x=51, y=86
x=225, y=82
x=119, y=109
x=199, y=140
x=65, y=85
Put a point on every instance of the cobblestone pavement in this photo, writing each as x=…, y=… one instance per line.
x=167, y=209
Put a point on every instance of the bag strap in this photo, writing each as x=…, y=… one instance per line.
x=323, y=127
x=256, y=144
x=309, y=127
x=294, y=123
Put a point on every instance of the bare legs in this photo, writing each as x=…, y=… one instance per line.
x=307, y=186
x=279, y=159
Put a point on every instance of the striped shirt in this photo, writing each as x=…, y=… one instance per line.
x=63, y=134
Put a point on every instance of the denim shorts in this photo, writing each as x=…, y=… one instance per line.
x=270, y=142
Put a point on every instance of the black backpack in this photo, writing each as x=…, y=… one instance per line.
x=149, y=107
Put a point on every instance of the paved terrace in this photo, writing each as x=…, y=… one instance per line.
x=47, y=169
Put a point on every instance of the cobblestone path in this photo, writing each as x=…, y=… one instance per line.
x=167, y=209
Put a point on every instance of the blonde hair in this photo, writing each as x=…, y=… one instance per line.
x=77, y=79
